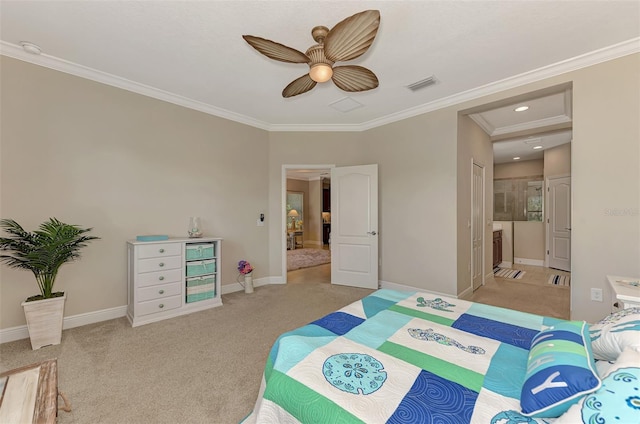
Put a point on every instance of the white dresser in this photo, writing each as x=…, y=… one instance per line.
x=172, y=277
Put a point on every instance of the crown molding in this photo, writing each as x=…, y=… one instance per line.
x=52, y=62
x=588, y=59
x=615, y=51
x=479, y=119
x=540, y=123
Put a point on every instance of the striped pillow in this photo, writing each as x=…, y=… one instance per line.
x=560, y=370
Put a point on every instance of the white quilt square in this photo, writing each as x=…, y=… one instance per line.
x=448, y=344
x=436, y=304
x=494, y=408
x=395, y=378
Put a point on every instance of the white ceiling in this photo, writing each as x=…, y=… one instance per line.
x=192, y=53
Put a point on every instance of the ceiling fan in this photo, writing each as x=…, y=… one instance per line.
x=347, y=40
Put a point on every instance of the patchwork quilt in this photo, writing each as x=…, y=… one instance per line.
x=401, y=357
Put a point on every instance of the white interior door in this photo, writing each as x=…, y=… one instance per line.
x=559, y=223
x=477, y=227
x=354, y=226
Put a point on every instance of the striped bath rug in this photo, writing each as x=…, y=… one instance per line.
x=508, y=273
x=559, y=280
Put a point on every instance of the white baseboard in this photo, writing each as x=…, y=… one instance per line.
x=257, y=282
x=22, y=332
x=465, y=294
x=534, y=262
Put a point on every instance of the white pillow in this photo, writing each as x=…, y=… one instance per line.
x=612, y=334
x=616, y=401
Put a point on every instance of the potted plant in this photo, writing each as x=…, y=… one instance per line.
x=43, y=252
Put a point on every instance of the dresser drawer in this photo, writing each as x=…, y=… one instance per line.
x=158, y=305
x=159, y=277
x=159, y=264
x=160, y=291
x=159, y=250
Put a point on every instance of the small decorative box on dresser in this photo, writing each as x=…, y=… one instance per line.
x=172, y=277
x=625, y=292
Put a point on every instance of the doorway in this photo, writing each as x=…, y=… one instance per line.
x=302, y=234
x=354, y=222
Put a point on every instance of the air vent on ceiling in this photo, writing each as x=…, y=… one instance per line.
x=422, y=83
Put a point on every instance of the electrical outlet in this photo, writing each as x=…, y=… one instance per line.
x=596, y=295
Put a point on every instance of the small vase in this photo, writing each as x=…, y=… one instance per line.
x=248, y=283
x=195, y=229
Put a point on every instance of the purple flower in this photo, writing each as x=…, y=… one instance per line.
x=244, y=267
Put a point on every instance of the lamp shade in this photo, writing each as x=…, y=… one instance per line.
x=321, y=72
x=293, y=213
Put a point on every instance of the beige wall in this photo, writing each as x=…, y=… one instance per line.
x=527, y=168
x=127, y=165
x=605, y=174
x=557, y=161
x=301, y=186
x=315, y=213
x=528, y=241
x=312, y=205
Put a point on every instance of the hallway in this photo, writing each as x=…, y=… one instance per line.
x=531, y=293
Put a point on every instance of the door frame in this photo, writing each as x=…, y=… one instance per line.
x=283, y=208
x=546, y=217
x=475, y=162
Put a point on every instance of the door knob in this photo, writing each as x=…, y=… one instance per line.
x=373, y=233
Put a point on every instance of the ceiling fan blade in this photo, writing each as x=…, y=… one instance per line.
x=299, y=86
x=352, y=37
x=354, y=78
x=275, y=50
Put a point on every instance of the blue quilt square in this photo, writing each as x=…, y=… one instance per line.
x=373, y=304
x=338, y=323
x=433, y=399
x=500, y=331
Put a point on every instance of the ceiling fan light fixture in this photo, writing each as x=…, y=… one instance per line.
x=320, y=72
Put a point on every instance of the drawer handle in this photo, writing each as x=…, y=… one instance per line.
x=161, y=278
x=161, y=292
x=161, y=264
x=161, y=305
x=161, y=250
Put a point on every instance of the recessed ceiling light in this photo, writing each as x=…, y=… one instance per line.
x=521, y=108
x=516, y=158
x=537, y=147
x=30, y=47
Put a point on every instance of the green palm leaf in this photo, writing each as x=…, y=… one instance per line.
x=43, y=251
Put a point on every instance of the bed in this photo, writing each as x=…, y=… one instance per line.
x=412, y=357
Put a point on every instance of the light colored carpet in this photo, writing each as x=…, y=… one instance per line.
x=527, y=295
x=206, y=367
x=200, y=368
x=559, y=280
x=509, y=273
x=305, y=258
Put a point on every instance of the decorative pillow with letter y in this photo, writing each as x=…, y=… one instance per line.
x=560, y=370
